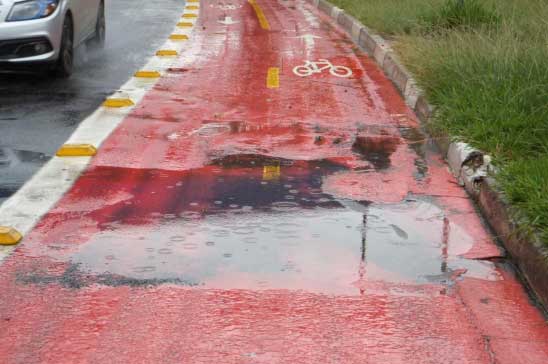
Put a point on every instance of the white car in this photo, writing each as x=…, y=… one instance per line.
x=47, y=31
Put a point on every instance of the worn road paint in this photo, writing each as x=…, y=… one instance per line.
x=260, y=15
x=273, y=77
x=228, y=21
x=223, y=222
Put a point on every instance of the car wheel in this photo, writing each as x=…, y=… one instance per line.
x=63, y=67
x=98, y=40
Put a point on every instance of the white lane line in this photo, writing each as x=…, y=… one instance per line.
x=43, y=191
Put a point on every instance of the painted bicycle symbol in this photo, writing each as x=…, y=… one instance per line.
x=310, y=67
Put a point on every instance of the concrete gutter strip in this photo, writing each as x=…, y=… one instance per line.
x=471, y=167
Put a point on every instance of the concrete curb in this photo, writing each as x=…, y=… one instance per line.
x=470, y=166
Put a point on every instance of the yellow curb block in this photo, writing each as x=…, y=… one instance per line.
x=9, y=236
x=192, y=7
x=167, y=53
x=185, y=25
x=189, y=16
x=118, y=103
x=77, y=150
x=147, y=74
x=178, y=37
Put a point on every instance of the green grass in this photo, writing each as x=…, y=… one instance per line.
x=525, y=181
x=485, y=68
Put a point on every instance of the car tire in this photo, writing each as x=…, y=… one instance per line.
x=64, y=65
x=98, y=40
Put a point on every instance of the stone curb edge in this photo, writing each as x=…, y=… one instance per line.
x=471, y=167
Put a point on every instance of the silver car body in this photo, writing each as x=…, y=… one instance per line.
x=84, y=16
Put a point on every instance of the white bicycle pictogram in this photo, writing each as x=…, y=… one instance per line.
x=310, y=67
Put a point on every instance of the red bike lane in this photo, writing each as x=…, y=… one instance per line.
x=270, y=200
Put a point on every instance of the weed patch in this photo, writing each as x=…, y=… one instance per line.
x=463, y=14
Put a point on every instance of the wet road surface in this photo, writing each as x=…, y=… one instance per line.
x=245, y=215
x=38, y=114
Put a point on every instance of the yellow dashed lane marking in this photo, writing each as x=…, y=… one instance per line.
x=167, y=53
x=193, y=1
x=260, y=15
x=189, y=16
x=178, y=37
x=118, y=102
x=273, y=77
x=184, y=25
x=9, y=236
x=192, y=7
x=147, y=74
x=77, y=150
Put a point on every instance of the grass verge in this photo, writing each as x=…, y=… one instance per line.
x=483, y=64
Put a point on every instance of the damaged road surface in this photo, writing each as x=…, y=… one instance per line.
x=271, y=200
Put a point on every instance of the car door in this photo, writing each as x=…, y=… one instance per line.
x=84, y=13
x=75, y=7
x=90, y=10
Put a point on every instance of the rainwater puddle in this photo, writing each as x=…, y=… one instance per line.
x=236, y=228
x=16, y=167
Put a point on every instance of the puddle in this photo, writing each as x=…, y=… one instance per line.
x=16, y=167
x=237, y=224
x=376, y=149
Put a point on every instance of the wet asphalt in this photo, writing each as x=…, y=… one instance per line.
x=37, y=114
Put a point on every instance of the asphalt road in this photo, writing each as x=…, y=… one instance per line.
x=38, y=114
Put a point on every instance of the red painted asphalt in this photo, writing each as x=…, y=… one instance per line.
x=228, y=222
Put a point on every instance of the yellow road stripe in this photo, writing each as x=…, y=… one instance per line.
x=192, y=7
x=184, y=25
x=193, y=1
x=77, y=150
x=189, y=16
x=273, y=77
x=260, y=15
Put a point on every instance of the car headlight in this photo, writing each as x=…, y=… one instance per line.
x=32, y=9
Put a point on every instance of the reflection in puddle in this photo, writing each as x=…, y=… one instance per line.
x=229, y=225
x=376, y=149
